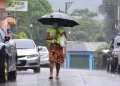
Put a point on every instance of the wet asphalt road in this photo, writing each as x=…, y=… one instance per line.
x=67, y=78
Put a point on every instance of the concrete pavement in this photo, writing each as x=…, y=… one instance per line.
x=67, y=78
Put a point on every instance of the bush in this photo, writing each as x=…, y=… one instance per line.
x=99, y=57
x=100, y=37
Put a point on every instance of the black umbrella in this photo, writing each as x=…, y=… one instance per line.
x=60, y=18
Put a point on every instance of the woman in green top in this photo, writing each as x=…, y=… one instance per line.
x=56, y=54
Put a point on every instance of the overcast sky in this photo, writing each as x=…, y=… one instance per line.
x=91, y=4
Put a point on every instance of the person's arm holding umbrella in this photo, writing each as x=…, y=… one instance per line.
x=48, y=37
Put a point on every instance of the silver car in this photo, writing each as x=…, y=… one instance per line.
x=44, y=54
x=28, y=55
x=8, y=58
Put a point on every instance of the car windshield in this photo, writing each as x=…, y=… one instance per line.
x=24, y=44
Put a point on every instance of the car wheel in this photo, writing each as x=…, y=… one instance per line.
x=114, y=65
x=119, y=69
x=12, y=75
x=108, y=65
x=47, y=65
x=4, y=70
x=37, y=70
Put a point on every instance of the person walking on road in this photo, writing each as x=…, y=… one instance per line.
x=56, y=55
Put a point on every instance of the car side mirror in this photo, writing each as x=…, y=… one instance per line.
x=7, y=38
x=39, y=48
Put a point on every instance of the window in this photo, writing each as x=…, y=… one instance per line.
x=24, y=44
x=118, y=44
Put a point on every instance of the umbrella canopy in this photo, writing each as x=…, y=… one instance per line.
x=60, y=18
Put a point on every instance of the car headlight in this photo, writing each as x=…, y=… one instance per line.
x=33, y=55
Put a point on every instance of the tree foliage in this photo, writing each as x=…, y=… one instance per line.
x=36, y=9
x=23, y=35
x=87, y=30
x=83, y=12
x=100, y=37
x=108, y=8
x=88, y=27
x=99, y=56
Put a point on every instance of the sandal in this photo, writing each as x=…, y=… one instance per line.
x=50, y=77
x=57, y=77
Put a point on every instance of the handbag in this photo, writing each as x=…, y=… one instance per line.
x=63, y=41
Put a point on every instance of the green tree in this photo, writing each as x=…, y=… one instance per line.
x=100, y=37
x=88, y=27
x=36, y=9
x=24, y=35
x=84, y=12
x=108, y=8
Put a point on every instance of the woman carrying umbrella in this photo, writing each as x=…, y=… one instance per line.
x=54, y=35
x=55, y=50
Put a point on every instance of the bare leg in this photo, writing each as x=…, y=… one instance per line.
x=57, y=70
x=51, y=68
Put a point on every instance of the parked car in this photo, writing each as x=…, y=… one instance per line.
x=28, y=55
x=8, y=58
x=113, y=60
x=44, y=56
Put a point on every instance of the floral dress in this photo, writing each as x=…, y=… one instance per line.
x=55, y=50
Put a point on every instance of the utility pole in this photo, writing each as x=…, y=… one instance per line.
x=67, y=6
x=31, y=25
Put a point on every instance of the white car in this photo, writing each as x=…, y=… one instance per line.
x=28, y=55
x=44, y=54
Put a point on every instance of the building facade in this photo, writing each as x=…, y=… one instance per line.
x=8, y=21
x=3, y=23
x=80, y=55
